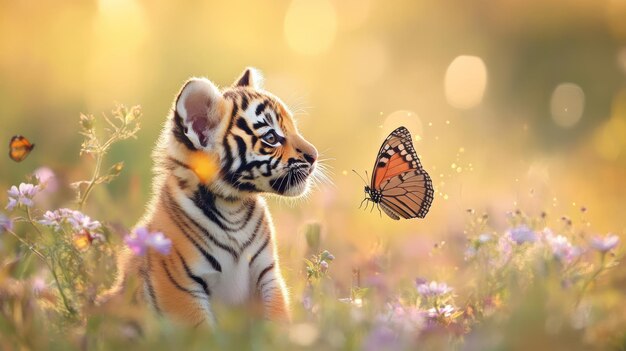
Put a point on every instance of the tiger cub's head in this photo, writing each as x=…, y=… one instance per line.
x=238, y=140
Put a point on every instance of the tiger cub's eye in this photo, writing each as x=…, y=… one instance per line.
x=270, y=138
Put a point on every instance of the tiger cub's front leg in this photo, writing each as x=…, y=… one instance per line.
x=175, y=294
x=268, y=283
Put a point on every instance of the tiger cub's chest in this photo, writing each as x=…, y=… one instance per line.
x=238, y=236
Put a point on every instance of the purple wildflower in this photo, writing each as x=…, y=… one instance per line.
x=327, y=256
x=76, y=219
x=5, y=223
x=22, y=195
x=141, y=239
x=522, y=234
x=433, y=289
x=80, y=221
x=605, y=244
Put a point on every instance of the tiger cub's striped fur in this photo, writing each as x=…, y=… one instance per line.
x=219, y=150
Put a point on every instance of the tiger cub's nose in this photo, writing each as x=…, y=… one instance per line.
x=310, y=158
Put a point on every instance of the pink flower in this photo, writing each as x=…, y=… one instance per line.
x=141, y=239
x=22, y=195
x=605, y=244
x=39, y=285
x=47, y=179
x=561, y=247
x=324, y=266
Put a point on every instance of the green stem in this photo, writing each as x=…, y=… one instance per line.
x=66, y=303
x=94, y=178
x=30, y=220
x=29, y=245
x=50, y=266
x=592, y=278
x=102, y=150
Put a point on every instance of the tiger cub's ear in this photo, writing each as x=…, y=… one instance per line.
x=199, y=105
x=251, y=77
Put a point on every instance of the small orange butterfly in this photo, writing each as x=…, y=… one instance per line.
x=19, y=148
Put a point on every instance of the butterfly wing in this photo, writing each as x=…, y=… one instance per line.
x=389, y=211
x=19, y=148
x=396, y=156
x=408, y=195
x=406, y=188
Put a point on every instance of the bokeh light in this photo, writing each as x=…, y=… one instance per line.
x=369, y=71
x=408, y=119
x=567, y=104
x=465, y=81
x=310, y=26
x=352, y=13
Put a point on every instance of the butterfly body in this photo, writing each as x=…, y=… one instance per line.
x=374, y=195
x=400, y=186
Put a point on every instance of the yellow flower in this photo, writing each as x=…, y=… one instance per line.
x=205, y=166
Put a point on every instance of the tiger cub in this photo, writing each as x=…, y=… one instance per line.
x=218, y=152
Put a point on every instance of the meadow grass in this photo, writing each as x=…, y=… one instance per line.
x=532, y=284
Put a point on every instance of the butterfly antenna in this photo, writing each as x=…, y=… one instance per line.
x=360, y=176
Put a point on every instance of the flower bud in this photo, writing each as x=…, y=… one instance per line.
x=86, y=121
x=324, y=266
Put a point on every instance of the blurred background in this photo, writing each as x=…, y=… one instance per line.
x=513, y=105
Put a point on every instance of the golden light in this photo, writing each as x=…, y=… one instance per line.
x=408, y=119
x=465, y=82
x=352, y=13
x=610, y=139
x=119, y=37
x=567, y=104
x=310, y=26
x=204, y=166
x=370, y=61
x=615, y=15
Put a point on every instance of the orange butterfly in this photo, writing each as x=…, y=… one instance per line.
x=399, y=185
x=19, y=148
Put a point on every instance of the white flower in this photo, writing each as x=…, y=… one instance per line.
x=22, y=195
x=445, y=311
x=433, y=289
